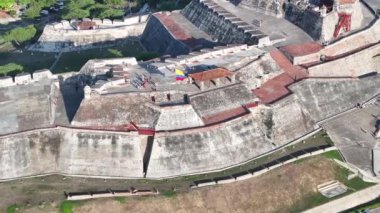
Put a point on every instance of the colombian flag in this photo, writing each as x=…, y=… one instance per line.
x=179, y=75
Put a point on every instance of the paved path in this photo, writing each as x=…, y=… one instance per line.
x=348, y=201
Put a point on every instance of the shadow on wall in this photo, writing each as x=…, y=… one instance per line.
x=68, y=46
x=196, y=44
x=72, y=90
x=235, y=2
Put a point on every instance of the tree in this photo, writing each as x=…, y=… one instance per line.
x=78, y=9
x=20, y=34
x=7, y=4
x=76, y=13
x=113, y=2
x=11, y=67
x=35, y=6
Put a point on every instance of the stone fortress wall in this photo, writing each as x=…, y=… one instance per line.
x=319, y=24
x=271, y=7
x=187, y=146
x=222, y=25
x=72, y=151
x=156, y=37
x=25, y=78
x=63, y=37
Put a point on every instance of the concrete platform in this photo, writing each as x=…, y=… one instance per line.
x=270, y=25
x=352, y=135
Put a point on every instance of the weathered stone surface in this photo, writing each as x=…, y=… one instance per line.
x=157, y=38
x=31, y=106
x=115, y=110
x=206, y=149
x=72, y=153
x=325, y=98
x=285, y=121
x=311, y=22
x=215, y=101
x=178, y=117
x=221, y=29
x=63, y=37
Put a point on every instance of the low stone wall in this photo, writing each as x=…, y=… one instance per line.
x=25, y=78
x=102, y=23
x=110, y=193
x=208, y=53
x=254, y=172
x=62, y=37
x=354, y=65
x=351, y=43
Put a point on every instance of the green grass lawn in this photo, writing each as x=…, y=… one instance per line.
x=68, y=206
x=12, y=208
x=71, y=61
x=120, y=199
x=169, y=193
x=316, y=199
x=31, y=61
x=334, y=154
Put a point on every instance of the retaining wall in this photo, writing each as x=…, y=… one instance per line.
x=110, y=193
x=74, y=152
x=254, y=172
x=222, y=25
x=62, y=37
x=353, y=65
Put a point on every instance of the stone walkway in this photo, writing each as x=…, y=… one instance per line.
x=349, y=201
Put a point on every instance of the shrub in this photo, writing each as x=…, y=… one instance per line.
x=147, y=56
x=169, y=193
x=12, y=208
x=20, y=34
x=10, y=68
x=115, y=52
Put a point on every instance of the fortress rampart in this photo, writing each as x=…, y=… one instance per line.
x=319, y=24
x=223, y=26
x=63, y=37
x=271, y=7
x=25, y=78
x=73, y=151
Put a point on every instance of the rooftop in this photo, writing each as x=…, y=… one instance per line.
x=211, y=74
x=85, y=25
x=302, y=49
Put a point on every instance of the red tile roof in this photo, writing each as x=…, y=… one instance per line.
x=347, y=1
x=86, y=25
x=295, y=72
x=225, y=115
x=302, y=49
x=176, y=30
x=211, y=74
x=276, y=88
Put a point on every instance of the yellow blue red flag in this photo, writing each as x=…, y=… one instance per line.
x=179, y=75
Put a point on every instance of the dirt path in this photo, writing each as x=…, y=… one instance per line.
x=277, y=191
